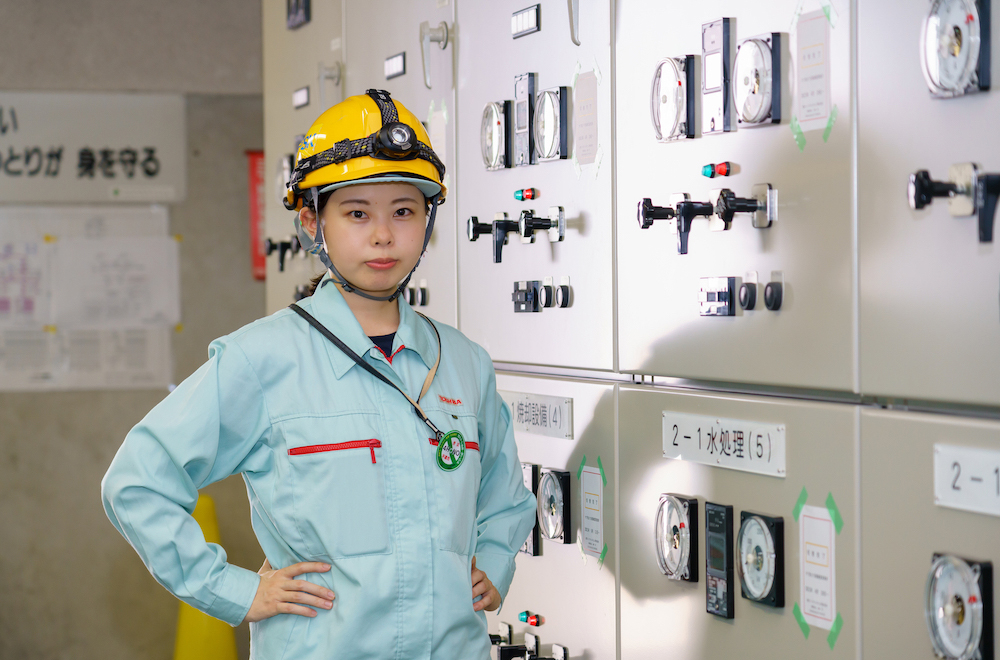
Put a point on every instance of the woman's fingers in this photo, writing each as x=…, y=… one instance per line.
x=481, y=588
x=296, y=570
x=290, y=608
x=485, y=602
x=308, y=587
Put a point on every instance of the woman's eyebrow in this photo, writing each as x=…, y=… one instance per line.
x=404, y=199
x=354, y=201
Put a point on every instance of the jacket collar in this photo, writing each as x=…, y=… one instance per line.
x=327, y=304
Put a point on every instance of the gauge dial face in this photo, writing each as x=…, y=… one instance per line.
x=752, y=82
x=954, y=608
x=673, y=537
x=491, y=136
x=550, y=506
x=668, y=100
x=547, y=124
x=949, y=45
x=757, y=558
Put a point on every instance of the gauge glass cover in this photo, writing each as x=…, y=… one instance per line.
x=673, y=537
x=491, y=136
x=954, y=608
x=949, y=46
x=757, y=558
x=550, y=506
x=668, y=100
x=752, y=82
x=547, y=124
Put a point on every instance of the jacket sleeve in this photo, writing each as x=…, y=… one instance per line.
x=505, y=511
x=199, y=434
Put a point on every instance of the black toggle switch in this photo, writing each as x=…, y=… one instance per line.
x=512, y=653
x=474, y=229
x=500, y=230
x=647, y=213
x=748, y=295
x=729, y=205
x=547, y=295
x=772, y=296
x=528, y=223
x=685, y=212
x=968, y=191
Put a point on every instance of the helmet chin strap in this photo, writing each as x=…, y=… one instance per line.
x=317, y=246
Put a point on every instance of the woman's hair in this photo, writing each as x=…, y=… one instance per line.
x=323, y=199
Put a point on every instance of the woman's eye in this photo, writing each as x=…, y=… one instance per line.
x=357, y=214
x=403, y=212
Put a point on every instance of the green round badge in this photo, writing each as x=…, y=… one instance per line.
x=451, y=451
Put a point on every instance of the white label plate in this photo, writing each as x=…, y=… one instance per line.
x=818, y=566
x=727, y=443
x=537, y=413
x=592, y=508
x=967, y=478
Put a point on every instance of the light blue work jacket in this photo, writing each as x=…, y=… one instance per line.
x=338, y=469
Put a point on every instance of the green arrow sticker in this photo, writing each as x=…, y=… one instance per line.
x=831, y=639
x=600, y=560
x=831, y=506
x=829, y=123
x=800, y=138
x=803, y=496
x=601, y=467
x=583, y=461
x=802, y=620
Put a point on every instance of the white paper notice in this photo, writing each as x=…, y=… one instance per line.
x=585, y=118
x=23, y=284
x=110, y=283
x=817, y=563
x=592, y=505
x=812, y=98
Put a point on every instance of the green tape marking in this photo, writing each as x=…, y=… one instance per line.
x=831, y=506
x=803, y=496
x=601, y=466
x=583, y=461
x=802, y=620
x=829, y=124
x=800, y=138
x=831, y=639
x=826, y=10
x=600, y=562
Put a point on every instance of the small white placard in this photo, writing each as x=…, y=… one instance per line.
x=592, y=506
x=300, y=97
x=395, y=65
x=813, y=58
x=537, y=413
x=727, y=443
x=967, y=478
x=817, y=566
x=585, y=118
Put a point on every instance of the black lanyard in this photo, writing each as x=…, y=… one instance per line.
x=373, y=371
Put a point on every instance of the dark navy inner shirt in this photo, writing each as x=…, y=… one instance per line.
x=384, y=342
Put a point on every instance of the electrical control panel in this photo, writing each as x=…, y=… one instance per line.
x=559, y=137
x=929, y=284
x=767, y=188
x=564, y=596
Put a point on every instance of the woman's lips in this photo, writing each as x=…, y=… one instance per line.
x=381, y=264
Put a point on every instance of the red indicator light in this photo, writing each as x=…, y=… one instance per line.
x=724, y=169
x=525, y=194
x=682, y=525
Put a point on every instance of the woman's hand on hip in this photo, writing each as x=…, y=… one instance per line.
x=280, y=593
x=481, y=586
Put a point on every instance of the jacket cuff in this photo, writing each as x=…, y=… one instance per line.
x=239, y=587
x=499, y=569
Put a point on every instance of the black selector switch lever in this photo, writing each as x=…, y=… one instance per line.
x=508, y=652
x=969, y=192
x=474, y=229
x=500, y=228
x=686, y=211
x=647, y=213
x=282, y=248
x=529, y=223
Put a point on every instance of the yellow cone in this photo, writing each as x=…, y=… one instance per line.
x=199, y=636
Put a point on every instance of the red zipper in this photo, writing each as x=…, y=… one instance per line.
x=468, y=445
x=372, y=444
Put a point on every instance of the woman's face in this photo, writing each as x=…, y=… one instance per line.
x=374, y=233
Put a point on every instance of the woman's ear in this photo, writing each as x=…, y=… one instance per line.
x=307, y=218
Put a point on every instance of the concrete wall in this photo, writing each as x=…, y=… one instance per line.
x=72, y=587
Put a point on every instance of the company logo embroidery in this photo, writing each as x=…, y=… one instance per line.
x=451, y=451
x=454, y=402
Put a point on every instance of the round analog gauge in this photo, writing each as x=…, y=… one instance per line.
x=949, y=46
x=673, y=537
x=547, y=124
x=491, y=136
x=757, y=558
x=752, y=88
x=550, y=506
x=954, y=608
x=667, y=100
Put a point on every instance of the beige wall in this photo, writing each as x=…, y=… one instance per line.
x=71, y=586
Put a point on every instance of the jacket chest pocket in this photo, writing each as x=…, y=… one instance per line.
x=457, y=474
x=337, y=480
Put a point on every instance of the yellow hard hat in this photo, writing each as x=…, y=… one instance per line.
x=365, y=138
